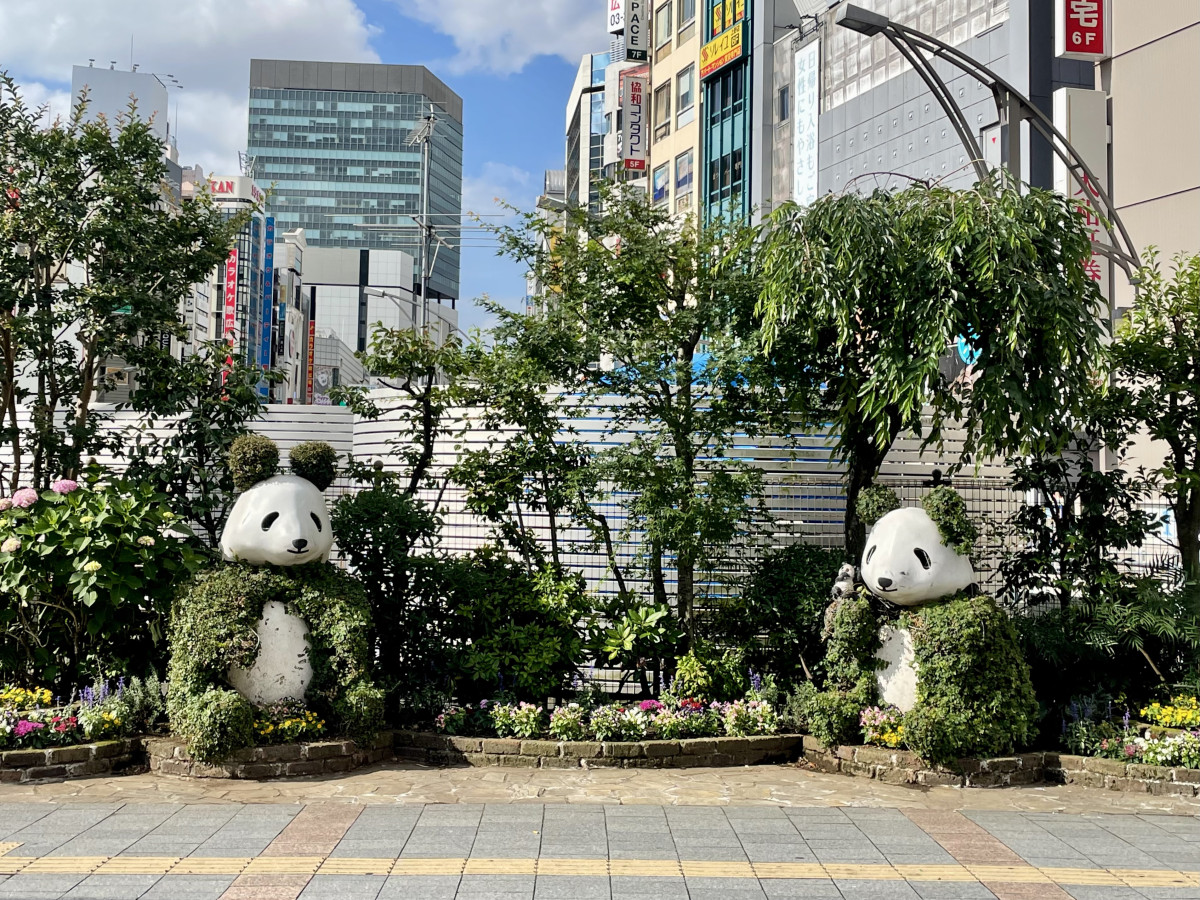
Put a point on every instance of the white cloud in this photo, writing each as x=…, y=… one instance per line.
x=504, y=37
x=206, y=45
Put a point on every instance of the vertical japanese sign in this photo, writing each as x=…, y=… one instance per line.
x=636, y=39
x=230, y=308
x=268, y=303
x=312, y=344
x=616, y=16
x=1082, y=116
x=633, y=136
x=804, y=135
x=1083, y=29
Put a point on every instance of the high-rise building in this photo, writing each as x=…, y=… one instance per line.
x=675, y=103
x=342, y=146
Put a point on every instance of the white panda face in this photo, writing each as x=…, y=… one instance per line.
x=282, y=521
x=906, y=562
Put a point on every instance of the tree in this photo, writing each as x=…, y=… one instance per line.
x=95, y=257
x=870, y=291
x=658, y=310
x=1157, y=358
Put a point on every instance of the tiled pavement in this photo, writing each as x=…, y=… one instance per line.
x=344, y=851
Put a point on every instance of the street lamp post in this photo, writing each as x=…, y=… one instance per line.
x=1013, y=107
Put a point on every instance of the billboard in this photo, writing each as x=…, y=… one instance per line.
x=268, y=302
x=1083, y=29
x=616, y=16
x=633, y=135
x=637, y=41
x=237, y=187
x=804, y=118
x=727, y=47
x=1082, y=116
x=231, y=280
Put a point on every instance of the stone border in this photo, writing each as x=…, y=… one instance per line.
x=76, y=761
x=169, y=756
x=1114, y=775
x=905, y=767
x=446, y=750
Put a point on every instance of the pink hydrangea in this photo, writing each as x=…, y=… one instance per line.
x=5, y=504
x=650, y=706
x=64, y=486
x=25, y=498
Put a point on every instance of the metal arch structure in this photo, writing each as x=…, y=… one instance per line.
x=920, y=50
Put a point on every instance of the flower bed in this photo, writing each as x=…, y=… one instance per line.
x=444, y=750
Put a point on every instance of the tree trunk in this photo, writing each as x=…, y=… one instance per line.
x=685, y=570
x=858, y=477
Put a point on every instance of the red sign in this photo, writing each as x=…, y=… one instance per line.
x=312, y=356
x=1082, y=29
x=231, y=278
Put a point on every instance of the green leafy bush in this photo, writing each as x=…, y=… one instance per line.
x=213, y=628
x=949, y=512
x=776, y=619
x=316, y=461
x=87, y=572
x=639, y=638
x=705, y=674
x=876, y=502
x=974, y=693
x=252, y=458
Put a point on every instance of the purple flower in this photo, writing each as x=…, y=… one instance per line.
x=25, y=498
x=64, y=486
x=755, y=681
x=1125, y=720
x=483, y=704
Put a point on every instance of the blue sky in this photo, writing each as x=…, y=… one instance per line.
x=512, y=64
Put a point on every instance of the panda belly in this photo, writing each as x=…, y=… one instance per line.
x=282, y=668
x=897, y=680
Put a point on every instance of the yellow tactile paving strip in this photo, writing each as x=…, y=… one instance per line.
x=319, y=865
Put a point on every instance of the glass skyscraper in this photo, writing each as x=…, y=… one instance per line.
x=333, y=139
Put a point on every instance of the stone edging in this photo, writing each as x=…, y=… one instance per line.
x=169, y=756
x=1115, y=775
x=77, y=761
x=440, y=749
x=904, y=767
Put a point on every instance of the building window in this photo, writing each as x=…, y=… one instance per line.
x=785, y=103
x=662, y=111
x=660, y=184
x=686, y=13
x=683, y=179
x=685, y=95
x=662, y=25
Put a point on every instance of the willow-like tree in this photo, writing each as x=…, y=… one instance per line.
x=95, y=259
x=872, y=291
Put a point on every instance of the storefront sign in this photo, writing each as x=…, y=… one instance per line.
x=1083, y=29
x=636, y=38
x=728, y=47
x=633, y=135
x=616, y=16
x=268, y=301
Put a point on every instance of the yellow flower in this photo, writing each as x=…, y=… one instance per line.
x=92, y=566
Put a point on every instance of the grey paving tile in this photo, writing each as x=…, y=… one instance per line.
x=635, y=811
x=571, y=887
x=800, y=889
x=21, y=886
x=853, y=889
x=664, y=853
x=427, y=887
x=229, y=850
x=724, y=889
x=753, y=812
x=189, y=887
x=649, y=841
x=367, y=849
x=1157, y=893
x=952, y=890
x=496, y=884
x=344, y=887
x=96, y=846
x=112, y=887
x=847, y=855
x=938, y=857
x=574, y=851
x=157, y=847
x=782, y=825
x=1101, y=892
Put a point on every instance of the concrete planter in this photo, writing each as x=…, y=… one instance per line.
x=80, y=761
x=169, y=756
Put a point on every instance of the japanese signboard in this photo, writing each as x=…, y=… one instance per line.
x=637, y=41
x=633, y=134
x=616, y=16
x=231, y=281
x=268, y=301
x=1083, y=29
x=804, y=133
x=1082, y=116
x=727, y=47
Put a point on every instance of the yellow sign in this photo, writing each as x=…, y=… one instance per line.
x=721, y=51
x=739, y=10
x=728, y=13
x=718, y=24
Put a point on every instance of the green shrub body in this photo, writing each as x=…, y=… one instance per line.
x=316, y=461
x=213, y=629
x=252, y=458
x=875, y=502
x=949, y=512
x=974, y=691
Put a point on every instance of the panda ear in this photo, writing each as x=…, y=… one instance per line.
x=252, y=458
x=948, y=511
x=316, y=461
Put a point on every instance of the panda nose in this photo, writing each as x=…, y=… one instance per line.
x=884, y=582
x=300, y=543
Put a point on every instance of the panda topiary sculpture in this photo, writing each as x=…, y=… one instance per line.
x=275, y=621
x=916, y=636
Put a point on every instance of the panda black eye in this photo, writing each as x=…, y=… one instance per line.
x=923, y=557
x=317, y=519
x=870, y=553
x=269, y=520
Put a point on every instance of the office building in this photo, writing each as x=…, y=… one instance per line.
x=340, y=144
x=675, y=102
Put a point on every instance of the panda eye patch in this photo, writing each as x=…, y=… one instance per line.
x=317, y=520
x=269, y=520
x=870, y=553
x=923, y=557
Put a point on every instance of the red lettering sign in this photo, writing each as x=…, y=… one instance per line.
x=1083, y=29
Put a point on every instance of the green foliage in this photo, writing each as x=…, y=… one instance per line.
x=92, y=197
x=1155, y=352
x=86, y=578
x=638, y=638
x=515, y=629
x=868, y=290
x=875, y=502
x=208, y=404
x=949, y=512
x=316, y=461
x=213, y=628
x=776, y=618
x=252, y=458
x=703, y=674
x=388, y=538
x=215, y=723
x=974, y=693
